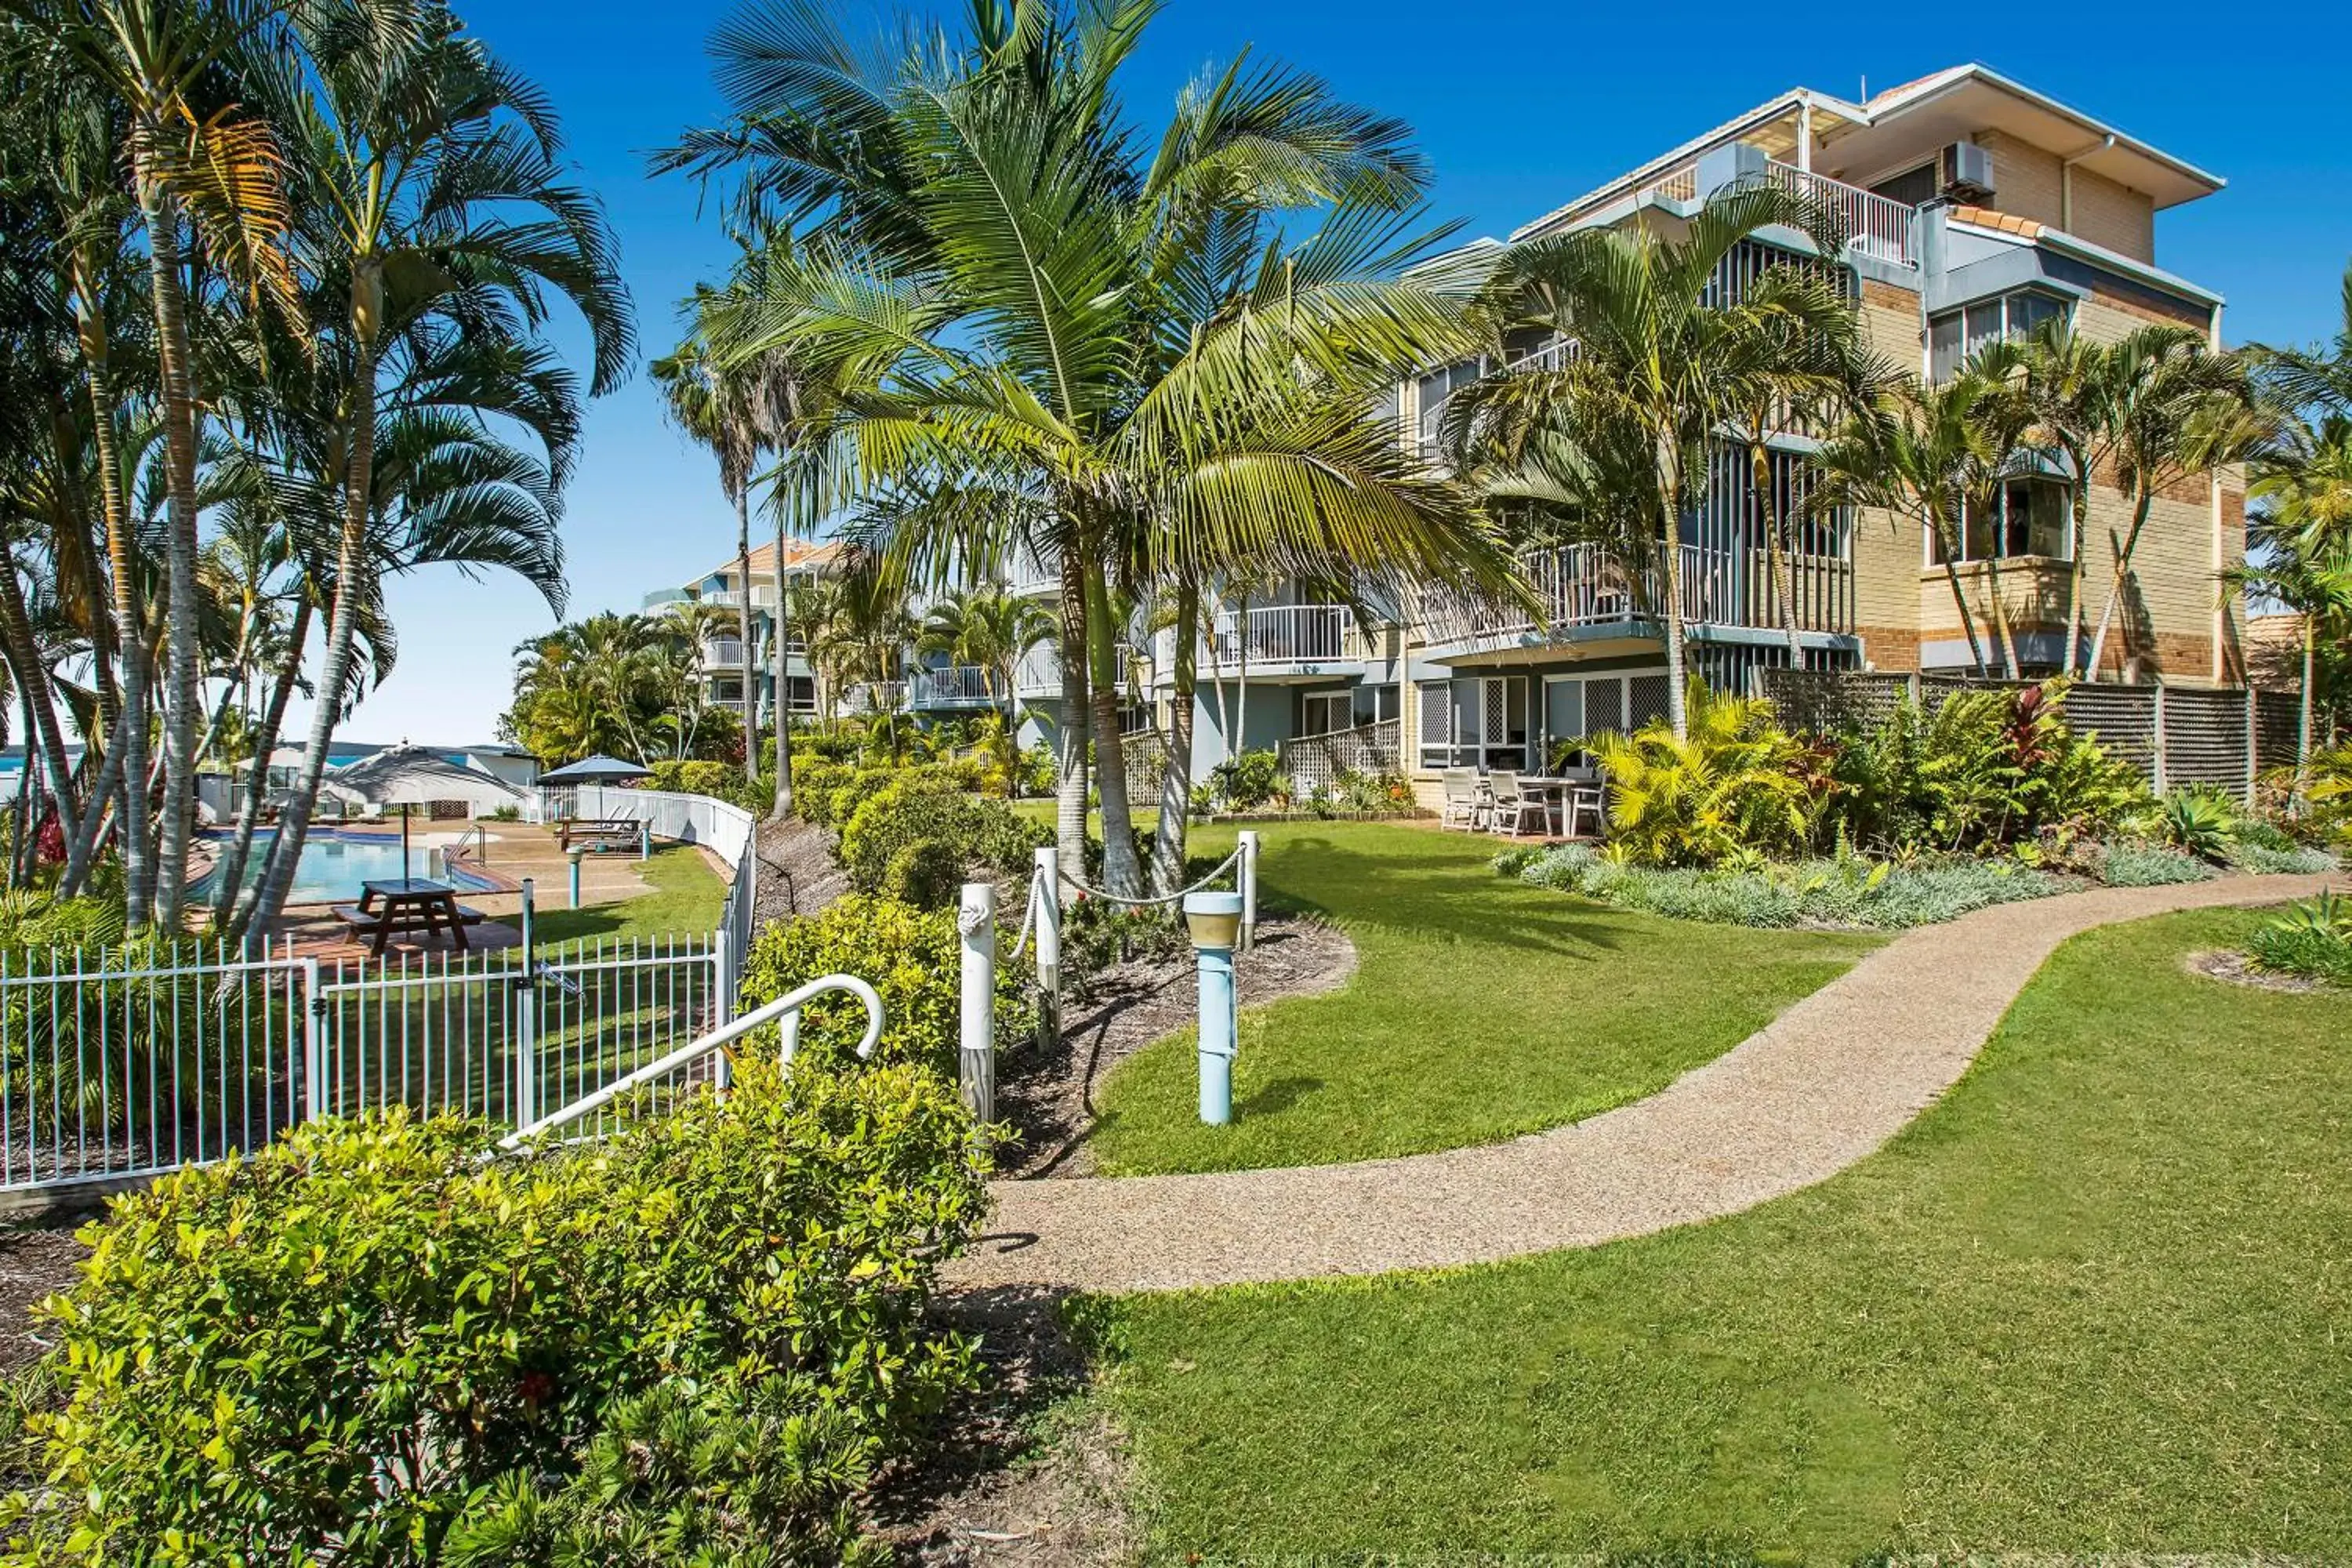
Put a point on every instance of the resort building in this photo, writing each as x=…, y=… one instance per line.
x=1976, y=209
x=725, y=588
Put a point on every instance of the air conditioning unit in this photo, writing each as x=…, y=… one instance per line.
x=1967, y=171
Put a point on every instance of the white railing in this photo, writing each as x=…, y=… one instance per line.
x=677, y=1072
x=763, y=597
x=1038, y=676
x=725, y=830
x=1585, y=586
x=1280, y=634
x=965, y=686
x=1878, y=225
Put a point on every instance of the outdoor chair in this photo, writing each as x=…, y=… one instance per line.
x=1502, y=797
x=1461, y=806
x=1534, y=800
x=1582, y=800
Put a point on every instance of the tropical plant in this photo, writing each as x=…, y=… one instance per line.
x=2312, y=940
x=992, y=631
x=1732, y=784
x=1018, y=297
x=2200, y=822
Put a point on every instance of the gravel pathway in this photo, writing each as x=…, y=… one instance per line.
x=1821, y=1086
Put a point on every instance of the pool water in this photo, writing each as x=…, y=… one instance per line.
x=334, y=864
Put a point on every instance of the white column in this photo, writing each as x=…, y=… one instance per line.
x=976, y=1059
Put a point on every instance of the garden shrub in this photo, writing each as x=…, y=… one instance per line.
x=912, y=957
x=2312, y=940
x=816, y=782
x=1846, y=891
x=1253, y=781
x=928, y=874
x=979, y=835
x=2293, y=860
x=2200, y=821
x=1982, y=771
x=2127, y=863
x=369, y=1345
x=1738, y=783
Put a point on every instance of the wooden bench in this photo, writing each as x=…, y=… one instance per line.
x=623, y=831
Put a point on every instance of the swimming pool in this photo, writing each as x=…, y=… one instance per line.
x=335, y=863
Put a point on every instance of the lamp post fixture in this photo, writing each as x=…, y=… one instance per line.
x=1215, y=920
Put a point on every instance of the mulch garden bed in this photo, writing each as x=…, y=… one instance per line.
x=2236, y=969
x=1047, y=1094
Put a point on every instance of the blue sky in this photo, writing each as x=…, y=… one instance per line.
x=1518, y=105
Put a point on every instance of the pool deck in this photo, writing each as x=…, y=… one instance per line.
x=516, y=851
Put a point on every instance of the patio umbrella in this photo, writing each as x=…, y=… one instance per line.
x=597, y=770
x=415, y=775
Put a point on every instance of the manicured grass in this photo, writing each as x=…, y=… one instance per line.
x=1482, y=1008
x=2099, y=1299
x=687, y=896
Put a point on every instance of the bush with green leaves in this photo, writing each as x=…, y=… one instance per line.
x=1845, y=891
x=912, y=957
x=1981, y=772
x=2200, y=821
x=366, y=1343
x=2130, y=863
x=1735, y=784
x=983, y=836
x=1253, y=781
x=2312, y=940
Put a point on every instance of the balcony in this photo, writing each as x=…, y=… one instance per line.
x=1038, y=678
x=1582, y=586
x=1875, y=224
x=722, y=653
x=1278, y=636
x=966, y=685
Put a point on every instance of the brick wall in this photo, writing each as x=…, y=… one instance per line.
x=2032, y=182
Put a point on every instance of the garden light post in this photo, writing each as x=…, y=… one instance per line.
x=1215, y=920
x=573, y=854
x=976, y=1057
x=1246, y=879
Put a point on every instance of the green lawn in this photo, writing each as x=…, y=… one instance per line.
x=2099, y=1299
x=687, y=896
x=1482, y=1008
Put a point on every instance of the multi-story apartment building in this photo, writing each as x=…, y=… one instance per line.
x=1977, y=209
x=722, y=649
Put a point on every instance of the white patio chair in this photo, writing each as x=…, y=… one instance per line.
x=1502, y=797
x=1460, y=806
x=1534, y=800
x=1583, y=800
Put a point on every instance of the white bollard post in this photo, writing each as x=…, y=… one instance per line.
x=1048, y=938
x=1247, y=882
x=976, y=1060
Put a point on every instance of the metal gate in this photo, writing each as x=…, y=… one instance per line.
x=505, y=1036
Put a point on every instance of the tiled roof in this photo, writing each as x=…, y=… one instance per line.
x=800, y=554
x=1985, y=218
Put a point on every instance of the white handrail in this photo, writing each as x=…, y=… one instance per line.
x=792, y=1002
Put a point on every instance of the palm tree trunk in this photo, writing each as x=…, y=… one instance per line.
x=24, y=655
x=1240, y=736
x=1070, y=786
x=782, y=657
x=2302, y=706
x=248, y=815
x=2004, y=641
x=177, y=408
x=2140, y=508
x=81, y=853
x=130, y=647
x=1784, y=591
x=743, y=627
x=1948, y=548
x=1123, y=872
x=258, y=912
x=2082, y=510
x=1168, y=838
x=1669, y=472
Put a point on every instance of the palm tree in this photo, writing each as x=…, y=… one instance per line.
x=2299, y=552
x=190, y=161
x=993, y=631
x=990, y=300
x=414, y=152
x=2174, y=409
x=1928, y=455
x=714, y=408
x=1661, y=356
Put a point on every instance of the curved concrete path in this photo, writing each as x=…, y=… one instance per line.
x=1821, y=1085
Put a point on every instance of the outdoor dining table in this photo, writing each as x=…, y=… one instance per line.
x=411, y=903
x=1560, y=792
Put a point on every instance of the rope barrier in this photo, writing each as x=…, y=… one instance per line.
x=1223, y=865
x=1028, y=916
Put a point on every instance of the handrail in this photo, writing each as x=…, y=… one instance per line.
x=791, y=1002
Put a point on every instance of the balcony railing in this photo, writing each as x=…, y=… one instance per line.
x=1580, y=585
x=965, y=686
x=1038, y=676
x=1279, y=634
x=1875, y=225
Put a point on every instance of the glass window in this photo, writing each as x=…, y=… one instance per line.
x=1912, y=187
x=1955, y=335
x=2026, y=517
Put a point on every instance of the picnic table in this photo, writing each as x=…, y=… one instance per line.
x=407, y=904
